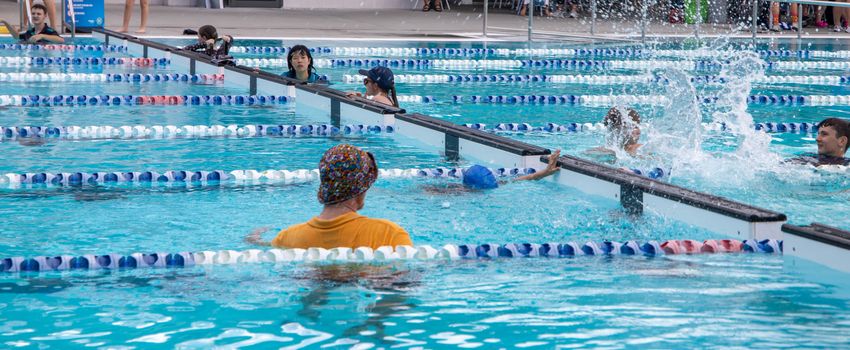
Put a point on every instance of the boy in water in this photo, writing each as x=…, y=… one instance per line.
x=833, y=135
x=40, y=33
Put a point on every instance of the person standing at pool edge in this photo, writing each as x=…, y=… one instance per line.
x=346, y=173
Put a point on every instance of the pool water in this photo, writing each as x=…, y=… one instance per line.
x=706, y=301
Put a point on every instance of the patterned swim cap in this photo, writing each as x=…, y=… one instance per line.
x=346, y=172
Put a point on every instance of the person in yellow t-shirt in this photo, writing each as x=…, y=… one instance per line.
x=346, y=173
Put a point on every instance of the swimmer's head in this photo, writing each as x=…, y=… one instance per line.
x=299, y=59
x=207, y=32
x=625, y=130
x=833, y=137
x=479, y=178
x=38, y=13
x=346, y=172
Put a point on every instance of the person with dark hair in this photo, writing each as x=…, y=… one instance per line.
x=346, y=174
x=40, y=33
x=380, y=86
x=833, y=140
x=300, y=63
x=210, y=44
x=623, y=132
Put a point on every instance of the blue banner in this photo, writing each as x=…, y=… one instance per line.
x=88, y=13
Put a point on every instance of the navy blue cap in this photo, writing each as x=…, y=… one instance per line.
x=383, y=76
x=480, y=178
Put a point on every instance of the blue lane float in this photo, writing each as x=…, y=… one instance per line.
x=555, y=128
x=83, y=61
x=110, y=77
x=609, y=100
x=51, y=47
x=278, y=49
x=343, y=255
x=118, y=100
x=596, y=79
x=215, y=177
x=135, y=132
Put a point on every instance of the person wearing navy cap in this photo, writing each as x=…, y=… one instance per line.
x=479, y=178
x=380, y=86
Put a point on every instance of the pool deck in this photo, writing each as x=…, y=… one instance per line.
x=461, y=23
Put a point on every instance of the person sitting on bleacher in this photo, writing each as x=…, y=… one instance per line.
x=210, y=44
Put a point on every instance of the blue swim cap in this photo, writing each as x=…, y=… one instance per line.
x=480, y=178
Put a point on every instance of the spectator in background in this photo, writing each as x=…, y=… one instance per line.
x=776, y=11
x=437, y=5
x=837, y=14
x=543, y=3
x=128, y=12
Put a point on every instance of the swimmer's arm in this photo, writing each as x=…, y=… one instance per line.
x=51, y=38
x=255, y=237
x=195, y=47
x=551, y=168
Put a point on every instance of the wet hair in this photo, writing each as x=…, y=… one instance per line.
x=294, y=50
x=208, y=32
x=614, y=119
x=841, y=126
x=39, y=7
x=391, y=93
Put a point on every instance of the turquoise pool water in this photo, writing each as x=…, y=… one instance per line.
x=707, y=301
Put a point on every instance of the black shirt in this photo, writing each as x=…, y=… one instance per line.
x=31, y=32
x=220, y=52
x=818, y=160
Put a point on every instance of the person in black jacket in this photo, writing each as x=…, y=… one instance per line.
x=210, y=44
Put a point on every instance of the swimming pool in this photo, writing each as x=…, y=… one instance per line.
x=725, y=300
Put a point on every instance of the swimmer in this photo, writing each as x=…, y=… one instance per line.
x=832, y=140
x=380, y=86
x=300, y=63
x=623, y=133
x=210, y=44
x=346, y=173
x=477, y=178
x=40, y=33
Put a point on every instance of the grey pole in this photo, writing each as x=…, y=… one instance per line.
x=592, y=17
x=800, y=21
x=73, y=20
x=530, y=12
x=485, y=18
x=643, y=22
x=698, y=20
x=755, y=18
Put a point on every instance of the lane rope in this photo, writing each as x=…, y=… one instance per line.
x=137, y=132
x=385, y=253
x=117, y=100
x=215, y=177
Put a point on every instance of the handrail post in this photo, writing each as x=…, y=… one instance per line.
x=485, y=18
x=698, y=20
x=643, y=22
x=592, y=17
x=755, y=18
x=530, y=12
x=800, y=20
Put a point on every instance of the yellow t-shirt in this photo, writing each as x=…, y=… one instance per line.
x=350, y=230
